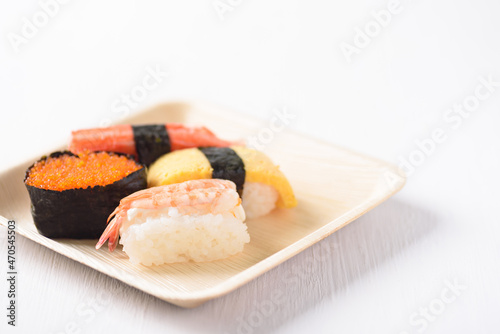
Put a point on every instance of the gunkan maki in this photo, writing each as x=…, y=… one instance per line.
x=73, y=195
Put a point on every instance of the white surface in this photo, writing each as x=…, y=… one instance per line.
x=378, y=272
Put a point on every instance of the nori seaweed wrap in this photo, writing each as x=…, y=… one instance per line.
x=226, y=165
x=80, y=213
x=239, y=164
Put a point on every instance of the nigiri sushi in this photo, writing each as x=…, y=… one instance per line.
x=199, y=220
x=72, y=196
x=145, y=142
x=259, y=181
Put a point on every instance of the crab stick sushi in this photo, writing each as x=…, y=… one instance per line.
x=72, y=195
x=145, y=142
x=261, y=184
x=199, y=220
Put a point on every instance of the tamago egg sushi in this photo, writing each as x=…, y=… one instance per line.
x=260, y=183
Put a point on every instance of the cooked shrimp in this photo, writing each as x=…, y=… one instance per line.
x=122, y=138
x=195, y=197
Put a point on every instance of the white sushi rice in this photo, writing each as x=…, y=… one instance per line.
x=258, y=199
x=154, y=237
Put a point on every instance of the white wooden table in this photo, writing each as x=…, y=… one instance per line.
x=427, y=260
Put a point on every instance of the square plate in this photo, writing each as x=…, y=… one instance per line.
x=333, y=186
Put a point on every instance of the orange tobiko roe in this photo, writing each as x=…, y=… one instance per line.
x=88, y=169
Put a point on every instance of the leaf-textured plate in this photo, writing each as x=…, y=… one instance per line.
x=333, y=186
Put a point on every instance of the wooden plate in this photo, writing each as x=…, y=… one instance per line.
x=334, y=186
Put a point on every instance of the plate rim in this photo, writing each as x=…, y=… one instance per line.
x=264, y=265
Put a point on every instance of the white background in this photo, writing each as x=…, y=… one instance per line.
x=387, y=267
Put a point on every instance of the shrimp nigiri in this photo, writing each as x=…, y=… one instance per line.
x=199, y=220
x=145, y=142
